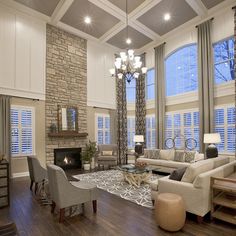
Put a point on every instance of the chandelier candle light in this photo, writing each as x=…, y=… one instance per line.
x=128, y=66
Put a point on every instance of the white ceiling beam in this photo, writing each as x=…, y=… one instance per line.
x=110, y=8
x=143, y=8
x=113, y=31
x=197, y=6
x=60, y=10
x=144, y=30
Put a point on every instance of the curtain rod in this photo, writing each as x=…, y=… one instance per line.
x=202, y=22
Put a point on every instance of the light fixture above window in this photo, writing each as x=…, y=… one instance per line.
x=127, y=65
x=167, y=16
x=87, y=20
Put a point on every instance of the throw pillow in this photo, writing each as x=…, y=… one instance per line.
x=107, y=153
x=167, y=155
x=179, y=155
x=154, y=154
x=177, y=174
x=146, y=153
x=189, y=156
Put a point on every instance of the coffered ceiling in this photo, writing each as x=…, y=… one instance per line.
x=108, y=17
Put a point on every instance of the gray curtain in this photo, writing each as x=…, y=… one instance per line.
x=140, y=104
x=205, y=81
x=5, y=127
x=160, y=95
x=121, y=120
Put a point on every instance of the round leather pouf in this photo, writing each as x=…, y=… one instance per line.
x=170, y=211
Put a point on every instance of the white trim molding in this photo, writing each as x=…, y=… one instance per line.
x=20, y=174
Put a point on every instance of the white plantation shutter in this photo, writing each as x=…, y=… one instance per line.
x=22, y=131
x=131, y=131
x=150, y=131
x=103, y=133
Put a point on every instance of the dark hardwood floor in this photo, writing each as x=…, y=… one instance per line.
x=115, y=216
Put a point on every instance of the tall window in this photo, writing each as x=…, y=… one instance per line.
x=150, y=80
x=224, y=61
x=131, y=131
x=225, y=125
x=183, y=123
x=103, y=133
x=131, y=91
x=22, y=130
x=181, y=71
x=150, y=131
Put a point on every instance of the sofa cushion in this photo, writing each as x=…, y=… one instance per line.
x=189, y=156
x=107, y=153
x=220, y=161
x=197, y=168
x=167, y=155
x=177, y=174
x=152, y=153
x=179, y=155
x=107, y=158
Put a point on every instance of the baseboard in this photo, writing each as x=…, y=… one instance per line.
x=20, y=174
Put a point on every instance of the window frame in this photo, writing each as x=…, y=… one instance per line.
x=152, y=84
x=132, y=130
x=129, y=88
x=150, y=116
x=103, y=115
x=20, y=108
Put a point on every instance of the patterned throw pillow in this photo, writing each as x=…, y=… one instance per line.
x=154, y=154
x=189, y=156
x=146, y=153
x=179, y=155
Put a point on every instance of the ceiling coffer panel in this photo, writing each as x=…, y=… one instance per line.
x=132, y=4
x=44, y=6
x=138, y=39
x=101, y=21
x=211, y=3
x=179, y=10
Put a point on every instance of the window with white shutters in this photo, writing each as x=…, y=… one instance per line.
x=103, y=133
x=225, y=125
x=130, y=131
x=184, y=122
x=22, y=131
x=150, y=131
x=150, y=84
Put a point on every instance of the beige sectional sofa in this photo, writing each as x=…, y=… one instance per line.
x=194, y=186
x=171, y=159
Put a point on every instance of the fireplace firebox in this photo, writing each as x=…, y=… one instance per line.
x=68, y=158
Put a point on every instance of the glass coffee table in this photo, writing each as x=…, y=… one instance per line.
x=135, y=176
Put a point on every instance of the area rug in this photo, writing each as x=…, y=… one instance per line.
x=113, y=182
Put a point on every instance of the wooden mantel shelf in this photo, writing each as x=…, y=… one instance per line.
x=68, y=134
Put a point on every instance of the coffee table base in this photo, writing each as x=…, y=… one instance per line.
x=136, y=179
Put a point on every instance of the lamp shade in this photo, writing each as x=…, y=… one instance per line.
x=212, y=138
x=138, y=138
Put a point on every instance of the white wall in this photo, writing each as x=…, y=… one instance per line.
x=101, y=86
x=222, y=27
x=22, y=54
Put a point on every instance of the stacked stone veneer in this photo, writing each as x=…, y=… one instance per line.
x=66, y=84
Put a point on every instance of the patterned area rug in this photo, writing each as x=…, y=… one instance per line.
x=113, y=182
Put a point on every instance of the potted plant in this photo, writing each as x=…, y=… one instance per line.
x=88, y=153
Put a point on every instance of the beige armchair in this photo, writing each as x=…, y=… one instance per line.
x=66, y=194
x=37, y=173
x=107, y=155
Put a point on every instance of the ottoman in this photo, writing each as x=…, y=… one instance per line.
x=170, y=211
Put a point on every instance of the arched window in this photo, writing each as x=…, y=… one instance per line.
x=181, y=71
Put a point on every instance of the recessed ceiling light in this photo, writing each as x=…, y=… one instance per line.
x=128, y=41
x=87, y=19
x=167, y=16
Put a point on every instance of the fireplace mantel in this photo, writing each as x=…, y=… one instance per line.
x=68, y=134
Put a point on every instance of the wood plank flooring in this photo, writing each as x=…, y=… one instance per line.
x=115, y=216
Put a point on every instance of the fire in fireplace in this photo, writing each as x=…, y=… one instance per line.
x=68, y=158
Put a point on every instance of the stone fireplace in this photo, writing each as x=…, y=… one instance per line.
x=68, y=158
x=66, y=85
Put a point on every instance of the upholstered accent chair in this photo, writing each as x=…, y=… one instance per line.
x=107, y=155
x=66, y=194
x=37, y=173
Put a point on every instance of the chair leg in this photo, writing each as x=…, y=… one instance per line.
x=53, y=207
x=36, y=188
x=94, y=206
x=31, y=185
x=62, y=214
